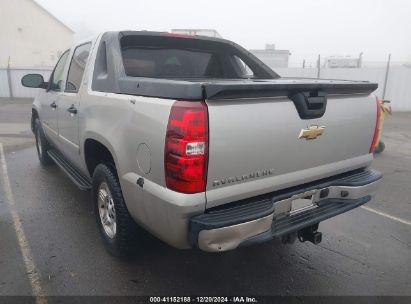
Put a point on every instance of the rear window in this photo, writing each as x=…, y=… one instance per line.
x=168, y=57
x=171, y=63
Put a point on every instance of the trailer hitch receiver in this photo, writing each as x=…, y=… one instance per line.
x=310, y=234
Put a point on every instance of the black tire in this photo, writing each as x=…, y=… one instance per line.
x=123, y=242
x=380, y=147
x=42, y=145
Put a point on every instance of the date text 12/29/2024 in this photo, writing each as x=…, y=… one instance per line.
x=203, y=299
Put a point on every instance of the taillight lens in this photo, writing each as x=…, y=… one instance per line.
x=377, y=126
x=186, y=147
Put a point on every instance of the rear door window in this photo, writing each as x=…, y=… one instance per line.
x=77, y=66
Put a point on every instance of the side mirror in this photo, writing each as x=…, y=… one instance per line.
x=34, y=81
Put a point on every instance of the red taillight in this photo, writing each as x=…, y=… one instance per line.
x=186, y=147
x=377, y=126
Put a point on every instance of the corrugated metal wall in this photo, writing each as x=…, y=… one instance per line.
x=4, y=85
x=398, y=85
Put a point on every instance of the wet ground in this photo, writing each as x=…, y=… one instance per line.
x=49, y=242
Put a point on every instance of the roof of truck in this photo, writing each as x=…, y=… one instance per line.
x=158, y=33
x=109, y=76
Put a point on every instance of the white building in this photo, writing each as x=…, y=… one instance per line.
x=30, y=37
x=343, y=62
x=200, y=32
x=273, y=57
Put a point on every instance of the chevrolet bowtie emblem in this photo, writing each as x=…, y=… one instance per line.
x=311, y=132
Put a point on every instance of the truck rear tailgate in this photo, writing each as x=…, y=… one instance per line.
x=255, y=146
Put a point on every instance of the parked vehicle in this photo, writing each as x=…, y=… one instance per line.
x=384, y=108
x=198, y=142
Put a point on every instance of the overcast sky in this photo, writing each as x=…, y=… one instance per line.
x=305, y=27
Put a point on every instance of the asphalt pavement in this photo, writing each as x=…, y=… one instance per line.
x=49, y=243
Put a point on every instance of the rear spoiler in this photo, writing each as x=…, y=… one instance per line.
x=232, y=89
x=274, y=88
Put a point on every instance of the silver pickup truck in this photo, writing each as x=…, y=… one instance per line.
x=200, y=143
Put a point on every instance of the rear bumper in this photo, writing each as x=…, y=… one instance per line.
x=269, y=216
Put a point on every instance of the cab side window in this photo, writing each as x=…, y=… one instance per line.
x=77, y=66
x=57, y=78
x=242, y=68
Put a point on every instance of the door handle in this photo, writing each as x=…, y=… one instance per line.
x=53, y=105
x=72, y=109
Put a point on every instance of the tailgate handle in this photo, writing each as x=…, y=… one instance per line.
x=310, y=105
